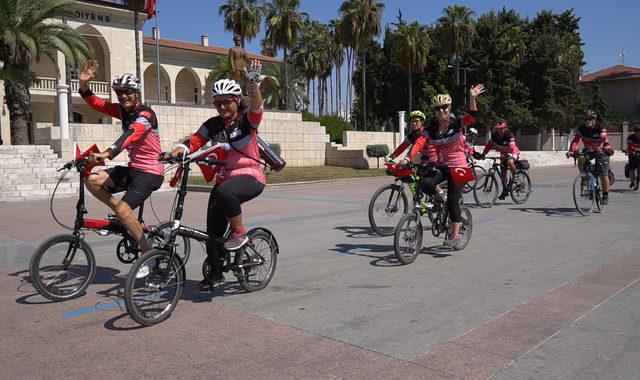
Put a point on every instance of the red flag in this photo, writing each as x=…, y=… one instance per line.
x=150, y=8
x=461, y=175
x=85, y=154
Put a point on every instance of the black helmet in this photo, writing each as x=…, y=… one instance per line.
x=590, y=114
x=636, y=128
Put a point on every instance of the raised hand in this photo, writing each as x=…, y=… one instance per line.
x=89, y=71
x=253, y=74
x=476, y=90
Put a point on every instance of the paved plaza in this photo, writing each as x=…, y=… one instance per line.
x=540, y=292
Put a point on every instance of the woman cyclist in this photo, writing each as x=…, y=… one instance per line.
x=417, y=120
x=446, y=133
x=236, y=130
x=504, y=141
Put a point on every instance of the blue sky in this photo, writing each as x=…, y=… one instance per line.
x=606, y=27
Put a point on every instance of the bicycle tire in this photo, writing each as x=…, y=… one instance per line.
x=262, y=245
x=485, y=191
x=157, y=237
x=147, y=271
x=477, y=172
x=466, y=229
x=583, y=204
x=61, y=291
x=520, y=191
x=409, y=231
x=386, y=226
x=612, y=177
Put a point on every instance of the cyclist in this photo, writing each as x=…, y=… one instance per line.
x=470, y=142
x=633, y=150
x=417, y=120
x=236, y=130
x=446, y=134
x=140, y=136
x=504, y=141
x=594, y=136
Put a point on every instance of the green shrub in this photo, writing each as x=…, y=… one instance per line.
x=276, y=148
x=333, y=124
x=377, y=151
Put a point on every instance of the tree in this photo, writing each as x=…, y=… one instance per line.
x=282, y=23
x=26, y=33
x=414, y=44
x=598, y=101
x=338, y=59
x=221, y=70
x=273, y=89
x=242, y=17
x=362, y=20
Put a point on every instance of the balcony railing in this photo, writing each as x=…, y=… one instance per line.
x=51, y=85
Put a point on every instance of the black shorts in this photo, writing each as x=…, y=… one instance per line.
x=602, y=163
x=634, y=162
x=138, y=185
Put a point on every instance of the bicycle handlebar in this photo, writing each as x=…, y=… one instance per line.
x=165, y=158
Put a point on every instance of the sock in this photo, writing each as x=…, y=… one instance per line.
x=240, y=230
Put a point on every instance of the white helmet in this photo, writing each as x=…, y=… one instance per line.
x=472, y=131
x=226, y=87
x=126, y=81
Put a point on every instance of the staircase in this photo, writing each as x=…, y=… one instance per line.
x=31, y=171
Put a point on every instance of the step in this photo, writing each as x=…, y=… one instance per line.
x=12, y=199
x=30, y=186
x=18, y=170
x=60, y=186
x=38, y=192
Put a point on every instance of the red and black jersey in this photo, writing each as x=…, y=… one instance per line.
x=633, y=144
x=409, y=140
x=595, y=138
x=140, y=134
x=504, y=144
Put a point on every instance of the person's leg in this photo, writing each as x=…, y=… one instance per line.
x=230, y=195
x=98, y=184
x=216, y=227
x=454, y=195
x=139, y=187
x=602, y=168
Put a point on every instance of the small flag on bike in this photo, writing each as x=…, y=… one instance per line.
x=461, y=175
x=85, y=154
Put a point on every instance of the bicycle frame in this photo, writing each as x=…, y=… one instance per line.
x=496, y=168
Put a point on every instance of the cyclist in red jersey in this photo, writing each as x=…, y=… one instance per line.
x=446, y=133
x=236, y=131
x=140, y=136
x=633, y=150
x=504, y=141
x=417, y=120
x=594, y=136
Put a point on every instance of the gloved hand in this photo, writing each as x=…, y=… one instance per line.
x=253, y=74
x=609, y=152
x=569, y=154
x=478, y=156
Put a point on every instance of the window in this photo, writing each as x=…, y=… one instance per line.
x=77, y=117
x=195, y=95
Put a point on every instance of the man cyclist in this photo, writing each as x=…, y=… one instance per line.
x=594, y=136
x=140, y=137
x=504, y=141
x=446, y=133
x=633, y=150
x=235, y=129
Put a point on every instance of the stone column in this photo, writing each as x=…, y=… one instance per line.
x=625, y=134
x=63, y=111
x=5, y=125
x=553, y=139
x=401, y=126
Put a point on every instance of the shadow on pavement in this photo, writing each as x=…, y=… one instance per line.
x=358, y=232
x=438, y=251
x=367, y=250
x=560, y=212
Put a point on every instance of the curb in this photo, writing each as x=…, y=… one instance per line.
x=200, y=188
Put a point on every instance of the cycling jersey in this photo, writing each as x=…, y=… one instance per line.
x=470, y=146
x=429, y=150
x=140, y=134
x=238, y=140
x=505, y=144
x=633, y=145
x=449, y=146
x=595, y=138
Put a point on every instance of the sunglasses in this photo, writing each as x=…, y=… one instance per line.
x=225, y=102
x=441, y=108
x=590, y=118
x=126, y=91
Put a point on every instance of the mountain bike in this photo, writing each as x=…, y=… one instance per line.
x=486, y=189
x=156, y=281
x=407, y=240
x=477, y=172
x=587, y=191
x=63, y=266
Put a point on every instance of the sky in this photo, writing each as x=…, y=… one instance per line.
x=607, y=28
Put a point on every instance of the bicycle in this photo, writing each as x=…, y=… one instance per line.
x=610, y=174
x=155, y=282
x=485, y=191
x=477, y=172
x=587, y=192
x=390, y=201
x=635, y=184
x=407, y=239
x=63, y=266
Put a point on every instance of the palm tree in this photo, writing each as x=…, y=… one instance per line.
x=364, y=18
x=307, y=54
x=242, y=17
x=338, y=57
x=273, y=89
x=267, y=47
x=459, y=29
x=282, y=23
x=414, y=44
x=26, y=33
x=221, y=70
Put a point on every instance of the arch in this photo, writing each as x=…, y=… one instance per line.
x=188, y=87
x=101, y=52
x=150, y=84
x=208, y=88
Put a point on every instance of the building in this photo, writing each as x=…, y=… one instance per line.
x=620, y=85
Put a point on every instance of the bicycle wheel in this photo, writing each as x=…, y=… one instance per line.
x=386, y=207
x=477, y=172
x=598, y=197
x=582, y=197
x=612, y=177
x=465, y=229
x=407, y=240
x=161, y=233
x=257, y=261
x=60, y=270
x=149, y=295
x=521, y=188
x=485, y=191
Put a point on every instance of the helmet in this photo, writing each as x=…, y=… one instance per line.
x=126, y=81
x=440, y=100
x=472, y=131
x=636, y=128
x=417, y=114
x=226, y=87
x=501, y=124
x=590, y=114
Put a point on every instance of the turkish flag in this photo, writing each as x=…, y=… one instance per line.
x=461, y=174
x=85, y=154
x=150, y=8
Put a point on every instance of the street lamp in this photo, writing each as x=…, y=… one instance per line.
x=455, y=63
